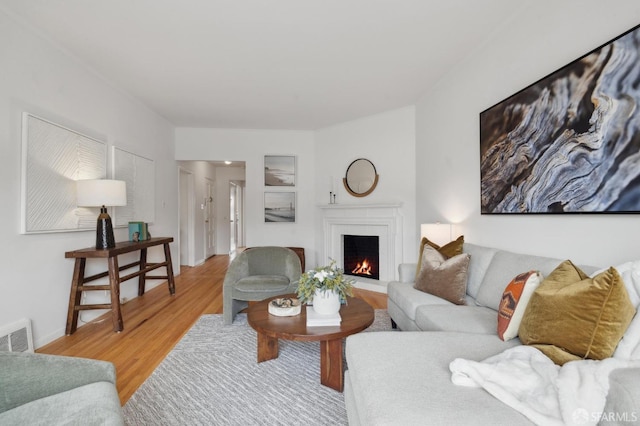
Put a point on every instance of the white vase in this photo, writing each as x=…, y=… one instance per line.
x=326, y=302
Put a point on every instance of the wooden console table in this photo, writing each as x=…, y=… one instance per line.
x=79, y=280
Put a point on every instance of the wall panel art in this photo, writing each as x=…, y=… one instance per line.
x=569, y=143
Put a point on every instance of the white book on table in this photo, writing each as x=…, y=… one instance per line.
x=315, y=319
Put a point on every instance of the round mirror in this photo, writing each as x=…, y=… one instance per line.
x=361, y=178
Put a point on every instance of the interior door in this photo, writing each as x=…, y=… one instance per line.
x=209, y=219
x=233, y=228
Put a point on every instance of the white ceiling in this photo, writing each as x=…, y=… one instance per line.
x=268, y=64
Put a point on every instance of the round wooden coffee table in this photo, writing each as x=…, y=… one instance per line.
x=356, y=316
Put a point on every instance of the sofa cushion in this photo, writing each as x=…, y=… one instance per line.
x=514, y=302
x=446, y=278
x=481, y=257
x=504, y=266
x=448, y=250
x=404, y=379
x=466, y=319
x=583, y=316
x=409, y=299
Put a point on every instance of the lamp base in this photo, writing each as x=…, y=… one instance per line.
x=104, y=231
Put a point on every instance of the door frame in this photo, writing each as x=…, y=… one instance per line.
x=189, y=223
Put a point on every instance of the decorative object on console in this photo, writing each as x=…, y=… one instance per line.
x=567, y=143
x=361, y=178
x=101, y=193
x=514, y=302
x=320, y=282
x=442, y=277
x=138, y=231
x=571, y=316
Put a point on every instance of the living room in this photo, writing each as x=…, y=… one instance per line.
x=426, y=151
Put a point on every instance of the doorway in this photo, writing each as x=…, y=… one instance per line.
x=236, y=215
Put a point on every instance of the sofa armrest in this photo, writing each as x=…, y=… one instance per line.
x=623, y=399
x=407, y=272
x=26, y=377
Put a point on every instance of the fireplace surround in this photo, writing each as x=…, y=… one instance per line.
x=383, y=221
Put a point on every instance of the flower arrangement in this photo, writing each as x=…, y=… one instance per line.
x=325, y=278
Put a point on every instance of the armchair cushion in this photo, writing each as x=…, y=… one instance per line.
x=262, y=283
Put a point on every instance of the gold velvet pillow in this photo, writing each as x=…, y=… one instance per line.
x=571, y=316
x=448, y=250
x=445, y=278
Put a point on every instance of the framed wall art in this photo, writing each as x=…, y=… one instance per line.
x=570, y=142
x=279, y=170
x=279, y=207
x=54, y=157
x=139, y=174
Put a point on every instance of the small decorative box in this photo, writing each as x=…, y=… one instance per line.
x=284, y=307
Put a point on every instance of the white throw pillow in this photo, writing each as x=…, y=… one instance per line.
x=515, y=299
x=629, y=346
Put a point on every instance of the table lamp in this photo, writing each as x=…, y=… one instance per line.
x=101, y=193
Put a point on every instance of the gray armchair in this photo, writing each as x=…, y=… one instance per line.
x=47, y=389
x=256, y=274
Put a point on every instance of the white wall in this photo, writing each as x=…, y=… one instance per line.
x=388, y=141
x=251, y=146
x=542, y=38
x=40, y=79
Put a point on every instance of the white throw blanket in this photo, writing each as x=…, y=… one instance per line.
x=529, y=382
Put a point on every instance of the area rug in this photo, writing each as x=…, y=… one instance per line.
x=211, y=377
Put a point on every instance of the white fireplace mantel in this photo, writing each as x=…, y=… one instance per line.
x=383, y=220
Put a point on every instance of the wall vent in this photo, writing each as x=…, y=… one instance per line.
x=16, y=337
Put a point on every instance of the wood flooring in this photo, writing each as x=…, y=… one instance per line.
x=155, y=322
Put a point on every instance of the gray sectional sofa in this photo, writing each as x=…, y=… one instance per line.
x=403, y=378
x=37, y=389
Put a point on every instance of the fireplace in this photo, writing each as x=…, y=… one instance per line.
x=361, y=256
x=383, y=221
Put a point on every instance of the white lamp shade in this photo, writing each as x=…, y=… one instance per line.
x=101, y=192
x=439, y=233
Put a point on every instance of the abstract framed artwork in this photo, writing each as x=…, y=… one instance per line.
x=54, y=157
x=139, y=174
x=279, y=207
x=279, y=170
x=570, y=142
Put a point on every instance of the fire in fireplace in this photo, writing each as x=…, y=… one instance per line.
x=361, y=256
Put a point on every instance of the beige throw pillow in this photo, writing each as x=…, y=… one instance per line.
x=448, y=250
x=445, y=278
